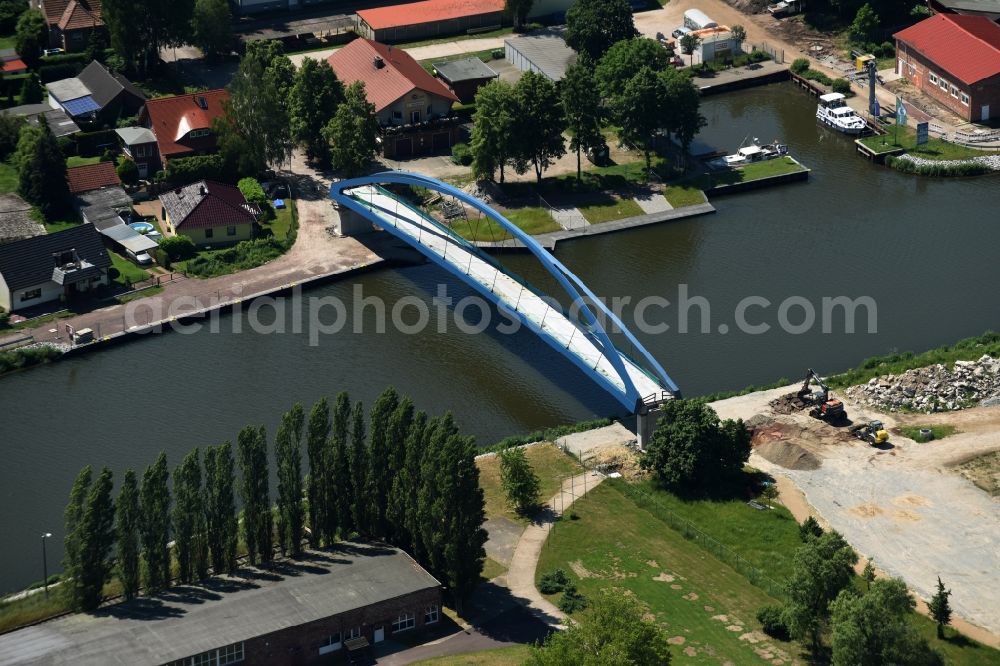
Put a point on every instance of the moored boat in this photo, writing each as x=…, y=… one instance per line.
x=834, y=113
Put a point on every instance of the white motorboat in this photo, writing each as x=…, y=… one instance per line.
x=748, y=154
x=834, y=113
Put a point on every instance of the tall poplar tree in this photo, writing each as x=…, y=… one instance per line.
x=96, y=540
x=127, y=535
x=189, y=519
x=257, y=524
x=463, y=511
x=338, y=483
x=317, y=438
x=154, y=531
x=378, y=481
x=288, y=454
x=220, y=507
x=359, y=466
x=432, y=506
x=405, y=486
x=74, y=520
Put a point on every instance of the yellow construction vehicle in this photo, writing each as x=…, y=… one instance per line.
x=873, y=432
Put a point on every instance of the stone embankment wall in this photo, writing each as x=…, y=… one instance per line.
x=934, y=388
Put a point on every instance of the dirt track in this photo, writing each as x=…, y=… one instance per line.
x=904, y=505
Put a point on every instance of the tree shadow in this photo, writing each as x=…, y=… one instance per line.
x=144, y=608
x=959, y=639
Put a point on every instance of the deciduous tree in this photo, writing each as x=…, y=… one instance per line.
x=823, y=566
x=154, y=531
x=875, y=629
x=623, y=60
x=689, y=44
x=517, y=478
x=538, y=130
x=73, y=516
x=191, y=546
x=462, y=507
x=315, y=96
x=31, y=36
x=319, y=457
x=518, y=11
x=592, y=26
x=211, y=29
x=339, y=482
x=581, y=101
x=97, y=538
x=738, y=33
x=288, y=456
x=352, y=132
x=358, y=459
x=42, y=170
x=617, y=633
x=378, y=479
x=492, y=127
x=127, y=520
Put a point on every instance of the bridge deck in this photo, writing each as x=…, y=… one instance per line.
x=463, y=260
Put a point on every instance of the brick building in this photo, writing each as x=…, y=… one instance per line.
x=954, y=59
x=311, y=611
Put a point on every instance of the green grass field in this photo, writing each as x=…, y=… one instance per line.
x=680, y=196
x=508, y=656
x=940, y=431
x=61, y=225
x=282, y=221
x=550, y=464
x=613, y=209
x=76, y=161
x=706, y=606
x=934, y=149
x=531, y=220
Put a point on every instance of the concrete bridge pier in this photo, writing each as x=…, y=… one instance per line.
x=645, y=424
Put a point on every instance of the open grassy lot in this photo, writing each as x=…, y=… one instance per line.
x=612, y=209
x=128, y=273
x=531, y=220
x=550, y=464
x=705, y=605
x=282, y=222
x=680, y=196
x=508, y=656
x=76, y=161
x=8, y=177
x=934, y=149
x=940, y=431
x=766, y=539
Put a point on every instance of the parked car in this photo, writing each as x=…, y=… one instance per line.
x=141, y=258
x=679, y=32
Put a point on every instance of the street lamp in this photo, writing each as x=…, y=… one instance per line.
x=45, y=564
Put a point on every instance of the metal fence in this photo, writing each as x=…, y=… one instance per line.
x=777, y=55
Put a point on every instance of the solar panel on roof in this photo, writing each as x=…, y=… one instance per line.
x=78, y=107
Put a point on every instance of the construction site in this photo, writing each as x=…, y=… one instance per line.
x=919, y=507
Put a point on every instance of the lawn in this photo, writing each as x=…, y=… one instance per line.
x=507, y=656
x=8, y=41
x=613, y=209
x=703, y=603
x=136, y=295
x=680, y=196
x=128, y=273
x=8, y=177
x=755, y=171
x=530, y=220
x=940, y=431
x=500, y=32
x=61, y=225
x=934, y=149
x=550, y=464
x=77, y=161
x=282, y=222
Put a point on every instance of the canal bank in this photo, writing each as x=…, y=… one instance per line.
x=855, y=230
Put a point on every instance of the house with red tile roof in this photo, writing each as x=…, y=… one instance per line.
x=428, y=18
x=209, y=213
x=182, y=124
x=413, y=108
x=71, y=22
x=92, y=177
x=954, y=59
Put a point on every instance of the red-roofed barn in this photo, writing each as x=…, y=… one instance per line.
x=413, y=108
x=429, y=18
x=954, y=59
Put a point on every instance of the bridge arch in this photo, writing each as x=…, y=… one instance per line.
x=631, y=386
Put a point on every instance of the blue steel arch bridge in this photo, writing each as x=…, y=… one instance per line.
x=636, y=380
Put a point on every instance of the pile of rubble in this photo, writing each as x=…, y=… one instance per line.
x=934, y=388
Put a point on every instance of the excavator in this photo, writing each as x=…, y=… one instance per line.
x=821, y=405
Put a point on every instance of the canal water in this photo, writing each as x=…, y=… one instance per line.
x=925, y=251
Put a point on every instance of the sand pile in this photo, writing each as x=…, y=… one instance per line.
x=787, y=454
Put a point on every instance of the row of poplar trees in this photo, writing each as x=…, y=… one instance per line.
x=403, y=478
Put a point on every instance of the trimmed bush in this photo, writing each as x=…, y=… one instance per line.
x=800, y=65
x=772, y=622
x=66, y=70
x=178, y=248
x=552, y=582
x=572, y=601
x=842, y=86
x=461, y=154
x=128, y=172
x=185, y=170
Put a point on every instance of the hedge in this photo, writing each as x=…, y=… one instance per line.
x=950, y=169
x=184, y=170
x=91, y=144
x=67, y=70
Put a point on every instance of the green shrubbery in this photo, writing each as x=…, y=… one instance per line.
x=940, y=170
x=254, y=194
x=772, y=621
x=461, y=154
x=178, y=248
x=818, y=76
x=842, y=86
x=4, y=318
x=572, y=601
x=185, y=170
x=552, y=582
x=244, y=255
x=24, y=358
x=799, y=65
